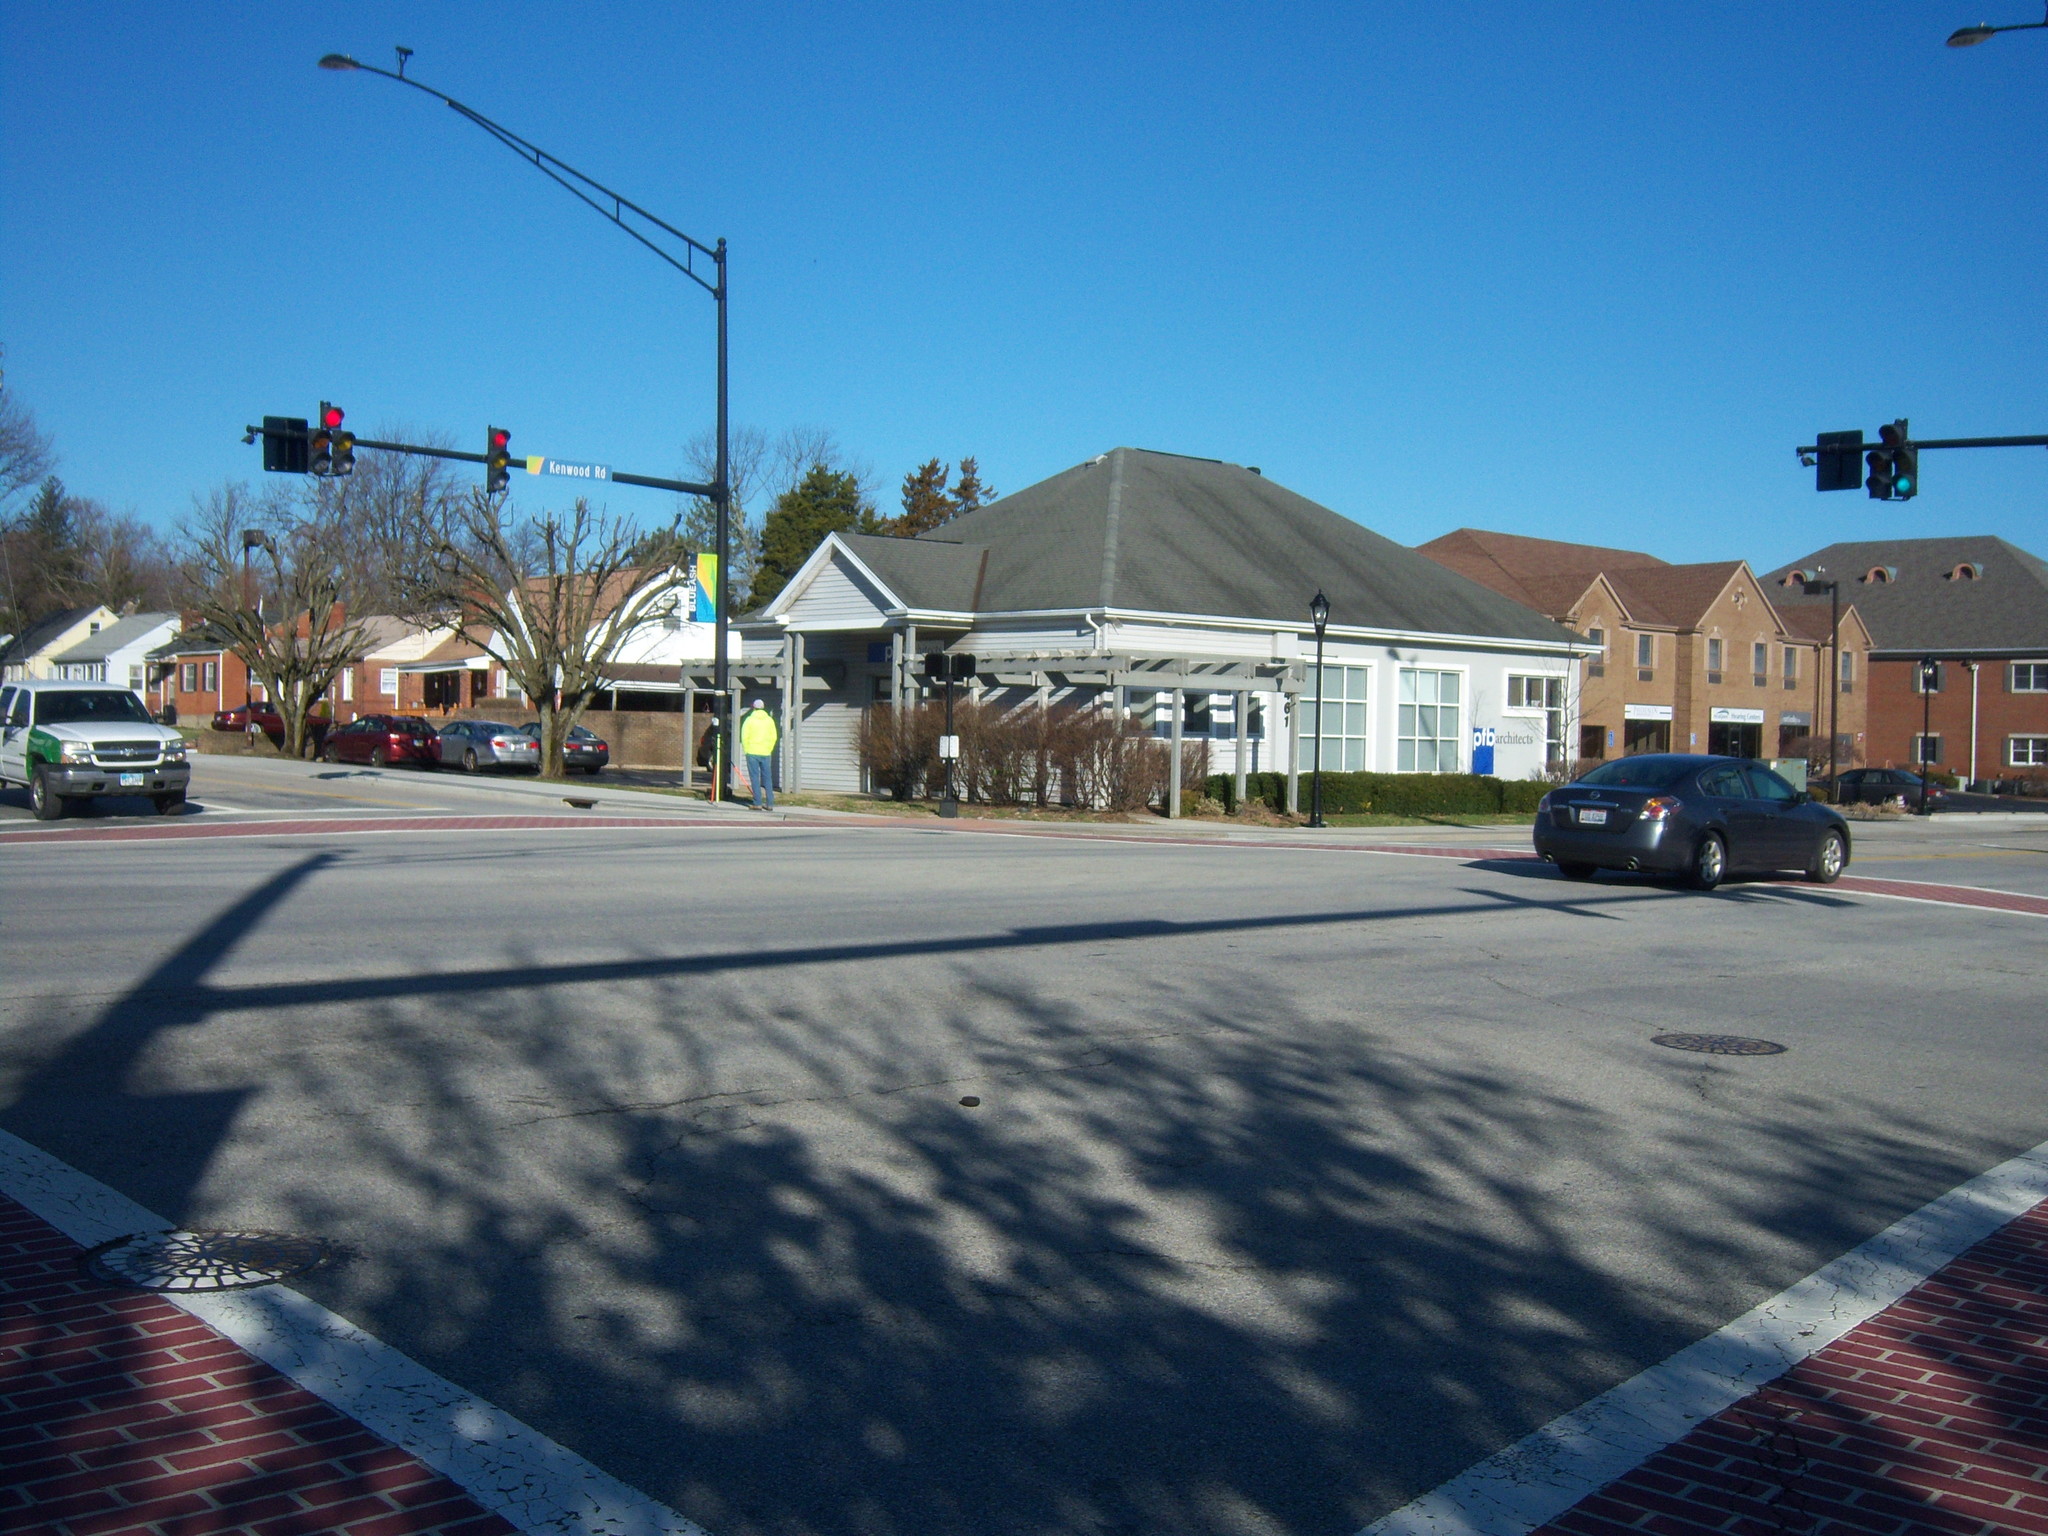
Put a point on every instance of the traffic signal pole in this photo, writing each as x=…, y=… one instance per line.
x=1894, y=461
x=618, y=477
x=687, y=255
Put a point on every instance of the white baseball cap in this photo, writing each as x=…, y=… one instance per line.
x=757, y=704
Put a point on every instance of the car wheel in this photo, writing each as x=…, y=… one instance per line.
x=1829, y=858
x=1573, y=871
x=379, y=758
x=469, y=761
x=170, y=804
x=329, y=755
x=47, y=804
x=1709, y=863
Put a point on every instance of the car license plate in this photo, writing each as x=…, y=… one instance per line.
x=1588, y=817
x=133, y=778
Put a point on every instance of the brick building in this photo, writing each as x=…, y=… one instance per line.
x=1978, y=608
x=1691, y=658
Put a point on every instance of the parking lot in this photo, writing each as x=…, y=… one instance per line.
x=1299, y=1177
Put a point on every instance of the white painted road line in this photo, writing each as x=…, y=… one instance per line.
x=509, y=1468
x=1541, y=1476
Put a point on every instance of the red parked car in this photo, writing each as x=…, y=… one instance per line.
x=264, y=716
x=381, y=739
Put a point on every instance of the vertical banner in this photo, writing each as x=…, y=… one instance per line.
x=706, y=610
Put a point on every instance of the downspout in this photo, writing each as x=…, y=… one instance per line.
x=1973, y=722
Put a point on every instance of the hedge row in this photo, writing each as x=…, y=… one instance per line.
x=1392, y=794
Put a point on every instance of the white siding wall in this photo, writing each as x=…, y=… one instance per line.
x=838, y=597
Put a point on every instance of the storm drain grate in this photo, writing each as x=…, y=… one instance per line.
x=205, y=1261
x=1719, y=1045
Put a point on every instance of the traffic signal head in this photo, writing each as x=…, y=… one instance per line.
x=1905, y=460
x=320, y=446
x=1883, y=466
x=344, y=448
x=497, y=460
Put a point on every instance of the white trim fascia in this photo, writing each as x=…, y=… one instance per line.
x=1203, y=620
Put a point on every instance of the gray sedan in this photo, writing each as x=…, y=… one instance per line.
x=474, y=745
x=1698, y=817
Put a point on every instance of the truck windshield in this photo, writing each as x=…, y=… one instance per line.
x=90, y=706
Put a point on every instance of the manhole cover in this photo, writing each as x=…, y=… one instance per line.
x=1719, y=1045
x=205, y=1261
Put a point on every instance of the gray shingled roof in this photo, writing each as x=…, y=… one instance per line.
x=1925, y=609
x=39, y=634
x=1160, y=533
x=113, y=636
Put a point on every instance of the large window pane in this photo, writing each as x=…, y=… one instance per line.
x=1429, y=727
x=1342, y=727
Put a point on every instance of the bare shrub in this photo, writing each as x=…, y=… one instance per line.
x=899, y=748
x=1112, y=764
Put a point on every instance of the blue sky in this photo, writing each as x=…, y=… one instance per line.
x=1586, y=272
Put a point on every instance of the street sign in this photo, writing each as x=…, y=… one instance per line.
x=1840, y=461
x=542, y=465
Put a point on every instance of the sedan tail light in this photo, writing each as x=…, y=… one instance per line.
x=1659, y=808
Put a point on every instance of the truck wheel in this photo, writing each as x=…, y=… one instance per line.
x=43, y=798
x=170, y=803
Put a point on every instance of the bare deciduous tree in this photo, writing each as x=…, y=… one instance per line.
x=551, y=596
x=297, y=618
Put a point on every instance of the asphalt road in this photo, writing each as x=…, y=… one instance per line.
x=1299, y=1180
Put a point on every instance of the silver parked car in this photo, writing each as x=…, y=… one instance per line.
x=474, y=745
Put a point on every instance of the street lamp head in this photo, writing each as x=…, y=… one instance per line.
x=1969, y=37
x=1319, y=610
x=343, y=61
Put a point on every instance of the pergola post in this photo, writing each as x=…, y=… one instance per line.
x=1173, y=771
x=795, y=734
x=1241, y=712
x=790, y=678
x=1292, y=703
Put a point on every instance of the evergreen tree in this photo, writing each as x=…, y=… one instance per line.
x=825, y=500
x=925, y=502
x=970, y=493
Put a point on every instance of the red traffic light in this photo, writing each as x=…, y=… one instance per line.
x=330, y=415
x=499, y=438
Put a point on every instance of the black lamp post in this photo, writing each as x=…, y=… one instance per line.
x=1969, y=37
x=1833, y=588
x=1319, y=615
x=616, y=208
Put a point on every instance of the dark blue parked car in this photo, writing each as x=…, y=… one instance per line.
x=1702, y=818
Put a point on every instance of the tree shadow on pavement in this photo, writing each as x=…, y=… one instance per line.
x=1206, y=1258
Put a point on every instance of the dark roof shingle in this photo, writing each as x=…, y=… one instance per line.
x=1926, y=607
x=1162, y=533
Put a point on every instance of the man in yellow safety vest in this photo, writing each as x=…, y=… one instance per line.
x=758, y=737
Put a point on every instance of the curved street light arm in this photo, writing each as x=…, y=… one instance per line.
x=567, y=176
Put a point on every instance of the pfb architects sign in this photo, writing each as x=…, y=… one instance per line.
x=562, y=467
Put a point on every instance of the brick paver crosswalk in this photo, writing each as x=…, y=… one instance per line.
x=123, y=1415
x=1931, y=1417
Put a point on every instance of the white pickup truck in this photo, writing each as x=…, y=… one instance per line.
x=78, y=741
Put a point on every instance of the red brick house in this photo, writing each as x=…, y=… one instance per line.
x=1977, y=608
